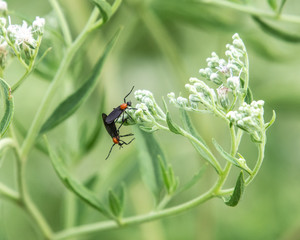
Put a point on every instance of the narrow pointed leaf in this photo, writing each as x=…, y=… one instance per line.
x=194, y=179
x=249, y=96
x=269, y=124
x=7, y=102
x=281, y=6
x=114, y=204
x=273, y=4
x=150, y=152
x=230, y=158
x=237, y=192
x=288, y=37
x=73, y=185
x=104, y=8
x=165, y=175
x=190, y=128
x=74, y=101
x=173, y=127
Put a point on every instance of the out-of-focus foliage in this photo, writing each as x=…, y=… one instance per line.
x=162, y=44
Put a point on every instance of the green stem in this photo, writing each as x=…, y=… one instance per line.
x=9, y=194
x=253, y=11
x=39, y=117
x=204, y=148
x=26, y=202
x=63, y=23
x=30, y=67
x=108, y=225
x=260, y=158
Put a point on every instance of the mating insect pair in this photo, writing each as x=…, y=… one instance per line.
x=110, y=125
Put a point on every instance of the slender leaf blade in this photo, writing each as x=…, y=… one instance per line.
x=104, y=8
x=70, y=105
x=237, y=192
x=269, y=124
x=114, y=204
x=73, y=185
x=188, y=126
x=8, y=105
x=197, y=176
x=288, y=37
x=150, y=152
x=273, y=4
x=230, y=158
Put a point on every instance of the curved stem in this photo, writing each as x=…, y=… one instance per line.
x=63, y=23
x=253, y=11
x=39, y=117
x=204, y=148
x=9, y=194
x=260, y=158
x=108, y=225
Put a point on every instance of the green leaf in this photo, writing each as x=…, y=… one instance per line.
x=104, y=8
x=288, y=37
x=233, y=160
x=150, y=152
x=88, y=142
x=237, y=192
x=188, y=126
x=172, y=126
x=273, y=4
x=74, y=101
x=114, y=204
x=194, y=179
x=249, y=96
x=281, y=7
x=8, y=107
x=269, y=124
x=73, y=185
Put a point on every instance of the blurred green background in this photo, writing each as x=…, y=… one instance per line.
x=163, y=43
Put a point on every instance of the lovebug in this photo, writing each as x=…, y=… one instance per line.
x=116, y=113
x=114, y=133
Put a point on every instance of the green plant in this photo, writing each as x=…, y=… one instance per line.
x=231, y=101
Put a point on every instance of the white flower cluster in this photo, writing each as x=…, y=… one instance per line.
x=249, y=117
x=146, y=112
x=227, y=72
x=21, y=38
x=199, y=93
x=3, y=8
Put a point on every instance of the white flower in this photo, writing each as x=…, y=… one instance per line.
x=3, y=6
x=21, y=34
x=38, y=24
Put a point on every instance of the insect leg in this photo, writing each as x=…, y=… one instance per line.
x=128, y=94
x=110, y=151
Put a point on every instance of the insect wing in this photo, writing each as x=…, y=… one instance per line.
x=113, y=115
x=110, y=128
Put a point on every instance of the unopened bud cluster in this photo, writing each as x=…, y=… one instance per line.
x=249, y=117
x=21, y=40
x=225, y=74
x=146, y=113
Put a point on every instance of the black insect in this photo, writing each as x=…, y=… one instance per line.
x=114, y=133
x=116, y=113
